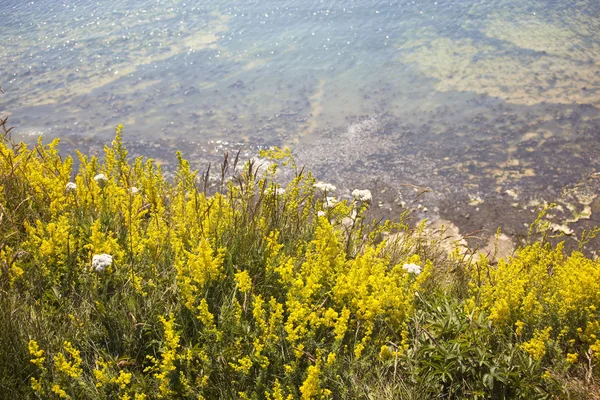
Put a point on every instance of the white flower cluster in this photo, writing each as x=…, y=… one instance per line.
x=412, y=268
x=321, y=213
x=71, y=187
x=133, y=190
x=362, y=195
x=101, y=179
x=101, y=261
x=326, y=187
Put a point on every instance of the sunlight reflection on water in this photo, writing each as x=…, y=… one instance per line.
x=228, y=67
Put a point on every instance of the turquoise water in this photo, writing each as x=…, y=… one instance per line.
x=484, y=96
x=225, y=69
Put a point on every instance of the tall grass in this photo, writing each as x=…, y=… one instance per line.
x=117, y=283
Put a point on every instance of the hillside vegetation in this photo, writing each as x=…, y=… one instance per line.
x=116, y=283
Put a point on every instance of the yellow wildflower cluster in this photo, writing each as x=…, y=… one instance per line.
x=253, y=291
x=546, y=295
x=70, y=367
x=536, y=347
x=166, y=366
x=311, y=387
x=243, y=281
x=36, y=353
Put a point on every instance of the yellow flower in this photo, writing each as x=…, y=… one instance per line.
x=536, y=347
x=169, y=355
x=243, y=281
x=36, y=385
x=123, y=379
x=37, y=353
x=358, y=349
x=60, y=392
x=243, y=365
x=546, y=375
x=331, y=357
x=69, y=368
x=520, y=325
x=385, y=353
x=310, y=386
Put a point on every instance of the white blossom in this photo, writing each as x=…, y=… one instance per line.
x=71, y=187
x=320, y=213
x=101, y=179
x=326, y=187
x=362, y=195
x=133, y=190
x=330, y=202
x=101, y=261
x=412, y=268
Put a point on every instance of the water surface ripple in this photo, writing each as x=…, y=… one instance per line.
x=478, y=100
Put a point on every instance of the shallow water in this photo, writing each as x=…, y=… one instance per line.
x=469, y=98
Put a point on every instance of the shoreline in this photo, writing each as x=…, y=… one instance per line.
x=471, y=217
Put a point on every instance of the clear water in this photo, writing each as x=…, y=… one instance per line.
x=483, y=95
